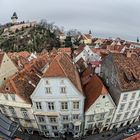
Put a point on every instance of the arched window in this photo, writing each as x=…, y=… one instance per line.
x=24, y=113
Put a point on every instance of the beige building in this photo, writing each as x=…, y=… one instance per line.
x=7, y=67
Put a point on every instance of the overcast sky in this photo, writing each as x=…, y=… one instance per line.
x=105, y=18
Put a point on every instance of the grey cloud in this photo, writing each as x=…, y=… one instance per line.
x=104, y=17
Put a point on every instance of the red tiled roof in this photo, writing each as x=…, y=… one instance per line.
x=128, y=71
x=64, y=50
x=23, y=84
x=93, y=89
x=134, y=137
x=62, y=66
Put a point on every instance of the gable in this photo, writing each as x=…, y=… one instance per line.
x=55, y=85
x=102, y=104
x=9, y=99
x=7, y=68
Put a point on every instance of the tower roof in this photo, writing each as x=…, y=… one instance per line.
x=14, y=15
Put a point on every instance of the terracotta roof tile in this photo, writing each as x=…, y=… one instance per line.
x=62, y=66
x=93, y=89
x=22, y=83
x=128, y=71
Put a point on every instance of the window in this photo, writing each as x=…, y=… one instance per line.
x=126, y=115
x=91, y=118
x=52, y=119
x=63, y=89
x=43, y=127
x=125, y=97
x=38, y=105
x=121, y=107
x=3, y=109
x=137, y=103
x=132, y=113
x=108, y=120
x=50, y=105
x=12, y=110
x=54, y=127
x=77, y=128
x=41, y=119
x=75, y=117
x=65, y=118
x=103, y=97
x=24, y=113
x=133, y=95
x=47, y=82
x=118, y=117
x=75, y=105
x=110, y=112
x=139, y=95
x=13, y=97
x=90, y=126
x=102, y=115
x=48, y=90
x=130, y=105
x=65, y=126
x=100, y=124
x=138, y=113
x=6, y=96
x=64, y=105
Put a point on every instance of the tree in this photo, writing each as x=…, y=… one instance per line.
x=73, y=33
x=68, y=42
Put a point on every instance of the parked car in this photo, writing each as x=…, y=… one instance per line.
x=129, y=132
x=137, y=128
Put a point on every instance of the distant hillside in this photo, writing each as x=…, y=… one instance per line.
x=30, y=39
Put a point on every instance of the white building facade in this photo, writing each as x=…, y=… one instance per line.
x=99, y=116
x=58, y=106
x=58, y=100
x=128, y=109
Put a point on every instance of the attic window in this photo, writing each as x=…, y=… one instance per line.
x=103, y=96
x=128, y=76
x=7, y=88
